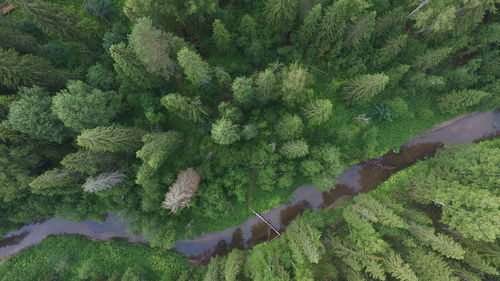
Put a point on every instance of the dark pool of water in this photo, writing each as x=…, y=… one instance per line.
x=358, y=178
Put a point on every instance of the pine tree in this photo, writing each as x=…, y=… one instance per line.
x=181, y=192
x=318, y=111
x=32, y=115
x=294, y=82
x=364, y=88
x=158, y=147
x=295, y=149
x=281, y=14
x=51, y=20
x=224, y=132
x=221, y=36
x=186, y=108
x=28, y=70
x=195, y=68
x=457, y=100
x=56, y=181
x=289, y=127
x=266, y=86
x=304, y=241
x=103, y=181
x=128, y=67
x=112, y=139
x=152, y=47
x=80, y=107
x=233, y=266
x=89, y=162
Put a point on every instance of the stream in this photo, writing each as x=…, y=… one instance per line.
x=362, y=177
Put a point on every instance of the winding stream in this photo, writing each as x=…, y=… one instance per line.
x=362, y=177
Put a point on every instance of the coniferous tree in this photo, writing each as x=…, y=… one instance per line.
x=56, y=181
x=28, y=70
x=221, y=36
x=11, y=38
x=295, y=149
x=112, y=139
x=289, y=127
x=128, y=67
x=158, y=147
x=431, y=58
x=181, y=192
x=32, y=115
x=281, y=14
x=195, y=68
x=294, y=82
x=224, y=132
x=311, y=25
x=103, y=181
x=50, y=19
x=152, y=47
x=266, y=86
x=184, y=107
x=89, y=162
x=242, y=90
x=80, y=107
x=233, y=266
x=304, y=240
x=364, y=88
x=214, y=270
x=457, y=100
x=318, y=111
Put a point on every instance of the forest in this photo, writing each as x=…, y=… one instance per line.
x=184, y=116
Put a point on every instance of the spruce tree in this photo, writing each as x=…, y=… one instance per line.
x=152, y=48
x=221, y=36
x=112, y=139
x=186, y=108
x=56, y=181
x=224, y=132
x=304, y=241
x=28, y=70
x=318, y=111
x=243, y=90
x=89, y=162
x=289, y=127
x=281, y=14
x=158, y=147
x=294, y=82
x=266, y=86
x=233, y=266
x=295, y=149
x=364, y=88
x=457, y=100
x=195, y=68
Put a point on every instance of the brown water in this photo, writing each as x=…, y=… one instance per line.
x=358, y=178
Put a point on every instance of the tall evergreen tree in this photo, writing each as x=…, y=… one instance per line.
x=28, y=70
x=318, y=111
x=112, y=139
x=195, y=68
x=184, y=107
x=364, y=88
x=281, y=14
x=158, y=147
x=221, y=36
x=224, y=132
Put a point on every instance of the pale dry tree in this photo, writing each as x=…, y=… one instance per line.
x=103, y=181
x=181, y=192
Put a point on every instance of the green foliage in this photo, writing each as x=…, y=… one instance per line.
x=32, y=115
x=266, y=86
x=80, y=107
x=457, y=100
x=158, y=147
x=294, y=82
x=318, y=111
x=221, y=36
x=112, y=139
x=281, y=14
x=27, y=70
x=152, y=47
x=56, y=181
x=186, y=108
x=295, y=149
x=242, y=90
x=234, y=263
x=289, y=127
x=89, y=162
x=304, y=241
x=364, y=88
x=100, y=77
x=224, y=132
x=195, y=68
x=431, y=58
x=128, y=66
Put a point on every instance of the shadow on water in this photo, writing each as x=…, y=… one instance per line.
x=362, y=177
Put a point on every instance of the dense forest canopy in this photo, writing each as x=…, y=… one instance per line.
x=184, y=114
